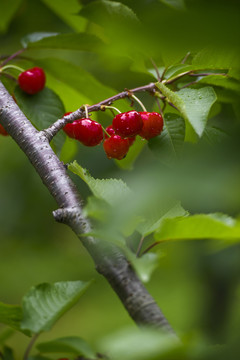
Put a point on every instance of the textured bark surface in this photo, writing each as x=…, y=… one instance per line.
x=109, y=260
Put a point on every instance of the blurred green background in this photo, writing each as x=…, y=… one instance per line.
x=196, y=284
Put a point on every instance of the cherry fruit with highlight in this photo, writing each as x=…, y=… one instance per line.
x=32, y=80
x=127, y=124
x=116, y=147
x=152, y=124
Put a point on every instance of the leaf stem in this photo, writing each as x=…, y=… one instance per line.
x=30, y=345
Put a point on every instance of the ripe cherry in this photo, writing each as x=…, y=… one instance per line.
x=3, y=131
x=152, y=124
x=127, y=124
x=87, y=131
x=69, y=128
x=110, y=130
x=32, y=80
x=116, y=147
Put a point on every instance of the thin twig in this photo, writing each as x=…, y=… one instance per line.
x=156, y=69
x=30, y=345
x=189, y=84
x=12, y=56
x=163, y=73
x=152, y=246
x=207, y=74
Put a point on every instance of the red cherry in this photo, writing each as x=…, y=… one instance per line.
x=69, y=128
x=87, y=131
x=3, y=131
x=116, y=147
x=110, y=130
x=127, y=124
x=32, y=80
x=152, y=124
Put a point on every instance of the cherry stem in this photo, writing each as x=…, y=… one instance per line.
x=139, y=101
x=86, y=111
x=11, y=67
x=105, y=131
x=12, y=56
x=103, y=107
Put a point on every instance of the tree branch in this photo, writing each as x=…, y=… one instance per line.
x=51, y=131
x=109, y=259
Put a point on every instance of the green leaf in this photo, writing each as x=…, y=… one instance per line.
x=35, y=37
x=70, y=345
x=144, y=265
x=175, y=4
x=8, y=9
x=67, y=11
x=103, y=11
x=222, y=81
x=217, y=58
x=7, y=353
x=11, y=315
x=155, y=217
x=193, y=104
x=197, y=106
x=97, y=208
x=6, y=334
x=77, y=78
x=200, y=226
x=110, y=190
x=213, y=135
x=44, y=304
x=72, y=41
x=132, y=344
x=42, y=109
x=168, y=145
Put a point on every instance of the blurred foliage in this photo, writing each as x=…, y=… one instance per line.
x=104, y=47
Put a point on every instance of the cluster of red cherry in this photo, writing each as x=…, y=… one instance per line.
x=118, y=137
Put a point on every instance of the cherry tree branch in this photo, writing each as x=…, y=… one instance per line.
x=108, y=258
x=51, y=131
